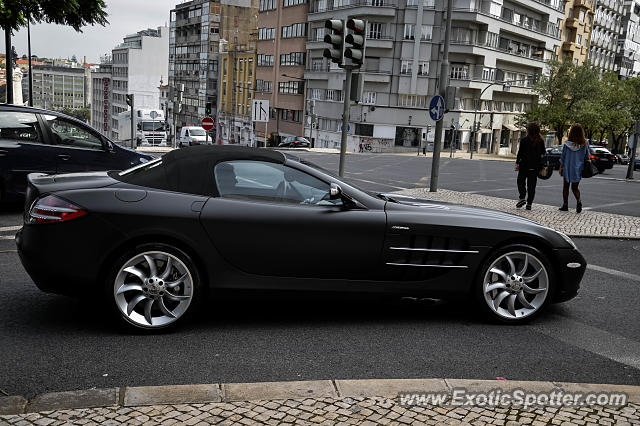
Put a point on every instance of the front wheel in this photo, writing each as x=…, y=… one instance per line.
x=515, y=285
x=152, y=287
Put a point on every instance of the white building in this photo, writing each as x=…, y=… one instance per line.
x=137, y=64
x=57, y=87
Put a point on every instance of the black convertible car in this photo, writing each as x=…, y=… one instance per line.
x=152, y=239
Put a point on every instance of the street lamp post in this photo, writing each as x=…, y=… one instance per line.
x=472, y=143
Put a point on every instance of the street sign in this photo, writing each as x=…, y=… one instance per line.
x=436, y=108
x=260, y=111
x=207, y=123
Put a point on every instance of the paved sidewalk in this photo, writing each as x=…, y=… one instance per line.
x=326, y=402
x=589, y=223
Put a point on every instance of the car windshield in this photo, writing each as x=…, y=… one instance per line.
x=153, y=126
x=196, y=132
x=141, y=167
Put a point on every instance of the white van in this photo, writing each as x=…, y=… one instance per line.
x=192, y=135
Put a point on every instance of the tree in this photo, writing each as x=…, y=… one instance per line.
x=562, y=92
x=15, y=14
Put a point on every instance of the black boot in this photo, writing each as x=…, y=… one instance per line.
x=579, y=206
x=564, y=208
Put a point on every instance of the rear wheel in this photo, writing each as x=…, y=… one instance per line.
x=154, y=286
x=600, y=170
x=515, y=284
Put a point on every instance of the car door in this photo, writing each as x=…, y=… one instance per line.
x=23, y=150
x=275, y=220
x=79, y=148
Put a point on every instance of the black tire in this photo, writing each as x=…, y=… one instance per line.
x=600, y=170
x=181, y=266
x=523, y=314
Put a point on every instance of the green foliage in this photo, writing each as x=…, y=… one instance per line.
x=74, y=13
x=576, y=94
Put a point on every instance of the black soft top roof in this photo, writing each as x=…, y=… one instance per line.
x=190, y=170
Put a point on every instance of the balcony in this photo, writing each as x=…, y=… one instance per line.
x=362, y=7
x=574, y=23
x=534, y=54
x=569, y=46
x=583, y=3
x=542, y=27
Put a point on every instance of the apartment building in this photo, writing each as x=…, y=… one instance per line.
x=135, y=66
x=282, y=58
x=497, y=49
x=576, y=31
x=101, y=80
x=607, y=30
x=56, y=87
x=628, y=57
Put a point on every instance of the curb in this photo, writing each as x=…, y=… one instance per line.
x=231, y=392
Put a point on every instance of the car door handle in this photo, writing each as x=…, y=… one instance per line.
x=64, y=157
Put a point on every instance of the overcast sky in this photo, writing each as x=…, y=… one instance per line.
x=124, y=16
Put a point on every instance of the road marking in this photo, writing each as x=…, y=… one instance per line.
x=7, y=237
x=592, y=339
x=513, y=188
x=611, y=205
x=378, y=183
x=10, y=228
x=614, y=272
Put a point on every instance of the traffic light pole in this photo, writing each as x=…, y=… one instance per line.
x=133, y=146
x=345, y=118
x=632, y=156
x=444, y=82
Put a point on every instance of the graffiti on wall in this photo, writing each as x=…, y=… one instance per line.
x=376, y=144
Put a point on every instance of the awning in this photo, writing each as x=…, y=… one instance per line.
x=511, y=127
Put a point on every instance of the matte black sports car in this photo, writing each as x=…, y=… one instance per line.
x=154, y=238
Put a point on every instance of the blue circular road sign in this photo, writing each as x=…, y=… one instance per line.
x=436, y=108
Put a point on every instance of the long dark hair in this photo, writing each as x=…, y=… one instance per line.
x=576, y=134
x=533, y=132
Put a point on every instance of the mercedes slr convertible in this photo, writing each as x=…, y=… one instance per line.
x=154, y=239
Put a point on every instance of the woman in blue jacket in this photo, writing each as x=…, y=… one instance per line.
x=575, y=154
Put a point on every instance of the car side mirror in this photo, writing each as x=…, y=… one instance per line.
x=335, y=191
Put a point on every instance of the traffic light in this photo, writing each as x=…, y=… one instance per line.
x=336, y=40
x=207, y=109
x=130, y=100
x=356, y=38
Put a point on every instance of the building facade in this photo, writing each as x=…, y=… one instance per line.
x=576, y=31
x=101, y=81
x=607, y=30
x=628, y=57
x=57, y=87
x=282, y=58
x=497, y=49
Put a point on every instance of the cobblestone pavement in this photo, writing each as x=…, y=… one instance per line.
x=327, y=411
x=586, y=224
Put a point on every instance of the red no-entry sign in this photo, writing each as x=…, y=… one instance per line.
x=207, y=123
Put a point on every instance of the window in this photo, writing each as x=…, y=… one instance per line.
x=579, y=41
x=364, y=129
x=369, y=98
x=317, y=34
x=270, y=182
x=19, y=126
x=460, y=72
x=405, y=67
x=375, y=30
x=582, y=15
x=291, y=115
x=287, y=3
x=265, y=60
x=70, y=134
x=409, y=31
x=423, y=68
x=315, y=94
x=293, y=59
x=317, y=64
x=266, y=33
x=291, y=87
x=267, y=5
x=295, y=30
x=427, y=32
x=412, y=101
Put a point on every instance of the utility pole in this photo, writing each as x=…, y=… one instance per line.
x=29, y=61
x=443, y=84
x=345, y=118
x=130, y=102
x=632, y=157
x=8, y=64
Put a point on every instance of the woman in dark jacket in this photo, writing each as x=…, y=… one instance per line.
x=529, y=164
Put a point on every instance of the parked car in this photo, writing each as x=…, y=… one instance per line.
x=552, y=155
x=295, y=142
x=38, y=140
x=192, y=135
x=156, y=236
x=621, y=158
x=601, y=157
x=636, y=164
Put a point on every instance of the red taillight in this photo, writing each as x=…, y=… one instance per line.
x=592, y=157
x=54, y=209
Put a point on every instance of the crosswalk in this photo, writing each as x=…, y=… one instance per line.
x=9, y=232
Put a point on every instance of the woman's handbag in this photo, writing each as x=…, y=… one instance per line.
x=589, y=170
x=546, y=171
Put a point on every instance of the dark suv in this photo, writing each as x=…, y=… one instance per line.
x=601, y=157
x=37, y=140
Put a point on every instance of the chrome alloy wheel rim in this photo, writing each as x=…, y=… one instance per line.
x=516, y=285
x=153, y=289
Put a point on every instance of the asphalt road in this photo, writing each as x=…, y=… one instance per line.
x=608, y=192
x=54, y=343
